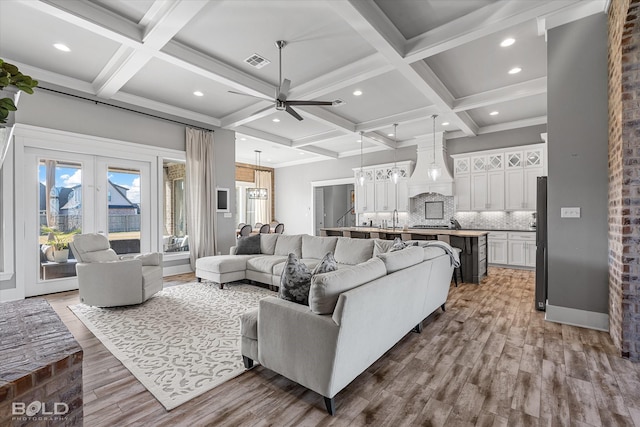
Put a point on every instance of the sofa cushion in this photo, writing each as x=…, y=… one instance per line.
x=430, y=252
x=327, y=264
x=268, y=243
x=394, y=261
x=100, y=256
x=381, y=246
x=353, y=251
x=326, y=288
x=289, y=244
x=223, y=263
x=295, y=281
x=264, y=264
x=248, y=245
x=317, y=247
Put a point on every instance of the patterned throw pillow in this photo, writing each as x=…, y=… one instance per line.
x=295, y=281
x=398, y=245
x=327, y=264
x=296, y=277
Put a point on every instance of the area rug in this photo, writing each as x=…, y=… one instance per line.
x=182, y=342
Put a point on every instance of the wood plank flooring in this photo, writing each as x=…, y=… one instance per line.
x=489, y=360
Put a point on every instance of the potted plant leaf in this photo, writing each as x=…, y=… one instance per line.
x=60, y=242
x=12, y=82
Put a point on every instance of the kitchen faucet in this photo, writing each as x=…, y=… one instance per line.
x=394, y=219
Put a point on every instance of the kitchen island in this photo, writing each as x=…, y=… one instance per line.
x=473, y=243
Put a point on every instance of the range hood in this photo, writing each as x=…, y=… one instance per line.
x=420, y=182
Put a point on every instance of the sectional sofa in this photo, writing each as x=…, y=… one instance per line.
x=355, y=313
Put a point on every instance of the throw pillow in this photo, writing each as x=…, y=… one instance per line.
x=248, y=245
x=398, y=245
x=295, y=281
x=327, y=264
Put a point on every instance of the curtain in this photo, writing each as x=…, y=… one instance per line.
x=200, y=194
x=263, y=207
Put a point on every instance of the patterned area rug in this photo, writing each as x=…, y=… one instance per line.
x=182, y=342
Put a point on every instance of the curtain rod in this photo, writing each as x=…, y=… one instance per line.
x=124, y=108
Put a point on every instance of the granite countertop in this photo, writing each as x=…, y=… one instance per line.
x=419, y=231
x=532, y=230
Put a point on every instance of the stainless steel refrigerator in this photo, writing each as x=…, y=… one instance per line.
x=541, y=243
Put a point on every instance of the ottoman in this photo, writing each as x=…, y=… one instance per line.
x=222, y=269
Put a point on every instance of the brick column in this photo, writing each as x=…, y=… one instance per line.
x=624, y=176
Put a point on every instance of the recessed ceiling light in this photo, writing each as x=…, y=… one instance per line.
x=445, y=123
x=390, y=134
x=268, y=160
x=300, y=152
x=243, y=139
x=198, y=93
x=507, y=42
x=494, y=113
x=515, y=70
x=276, y=120
x=62, y=47
x=357, y=92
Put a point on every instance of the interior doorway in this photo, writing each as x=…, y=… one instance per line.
x=334, y=206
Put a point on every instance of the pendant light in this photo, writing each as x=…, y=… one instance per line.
x=257, y=192
x=395, y=172
x=434, y=170
x=360, y=175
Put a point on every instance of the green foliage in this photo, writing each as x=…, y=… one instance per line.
x=11, y=76
x=61, y=239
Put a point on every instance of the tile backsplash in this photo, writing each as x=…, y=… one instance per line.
x=518, y=220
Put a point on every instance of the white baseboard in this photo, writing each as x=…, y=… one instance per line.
x=12, y=294
x=575, y=317
x=176, y=269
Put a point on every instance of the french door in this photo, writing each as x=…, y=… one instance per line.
x=68, y=193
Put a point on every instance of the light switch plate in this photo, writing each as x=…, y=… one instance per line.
x=569, y=212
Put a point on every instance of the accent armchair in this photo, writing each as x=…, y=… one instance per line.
x=105, y=280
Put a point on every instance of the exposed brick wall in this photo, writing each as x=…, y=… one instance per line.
x=624, y=176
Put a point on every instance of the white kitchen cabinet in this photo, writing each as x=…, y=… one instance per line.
x=385, y=191
x=365, y=194
x=523, y=167
x=497, y=245
x=403, y=195
x=522, y=249
x=462, y=192
x=487, y=182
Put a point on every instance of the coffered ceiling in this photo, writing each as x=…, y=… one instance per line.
x=409, y=58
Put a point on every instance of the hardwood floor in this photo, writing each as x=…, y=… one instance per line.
x=489, y=360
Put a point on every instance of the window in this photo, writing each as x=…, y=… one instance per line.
x=175, y=236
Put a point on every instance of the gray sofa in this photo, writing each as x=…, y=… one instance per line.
x=355, y=313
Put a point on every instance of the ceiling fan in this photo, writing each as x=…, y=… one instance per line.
x=282, y=91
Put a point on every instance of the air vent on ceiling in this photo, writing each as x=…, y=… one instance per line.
x=257, y=61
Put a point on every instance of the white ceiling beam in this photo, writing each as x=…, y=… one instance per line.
x=325, y=116
x=479, y=23
x=366, y=18
x=266, y=136
x=319, y=151
x=45, y=76
x=516, y=124
x=248, y=114
x=157, y=9
x=507, y=93
x=349, y=75
x=86, y=15
x=321, y=137
x=160, y=31
x=400, y=118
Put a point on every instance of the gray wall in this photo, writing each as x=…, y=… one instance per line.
x=578, y=174
x=293, y=199
x=56, y=111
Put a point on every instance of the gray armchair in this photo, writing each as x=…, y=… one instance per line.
x=105, y=280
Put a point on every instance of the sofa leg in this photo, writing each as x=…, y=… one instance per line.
x=221, y=285
x=418, y=328
x=442, y=307
x=330, y=404
x=248, y=363
x=199, y=279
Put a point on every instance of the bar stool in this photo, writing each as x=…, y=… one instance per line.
x=458, y=269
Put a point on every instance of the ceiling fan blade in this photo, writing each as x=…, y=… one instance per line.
x=284, y=90
x=310, y=102
x=252, y=96
x=293, y=113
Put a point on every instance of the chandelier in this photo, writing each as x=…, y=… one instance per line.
x=257, y=192
x=434, y=170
